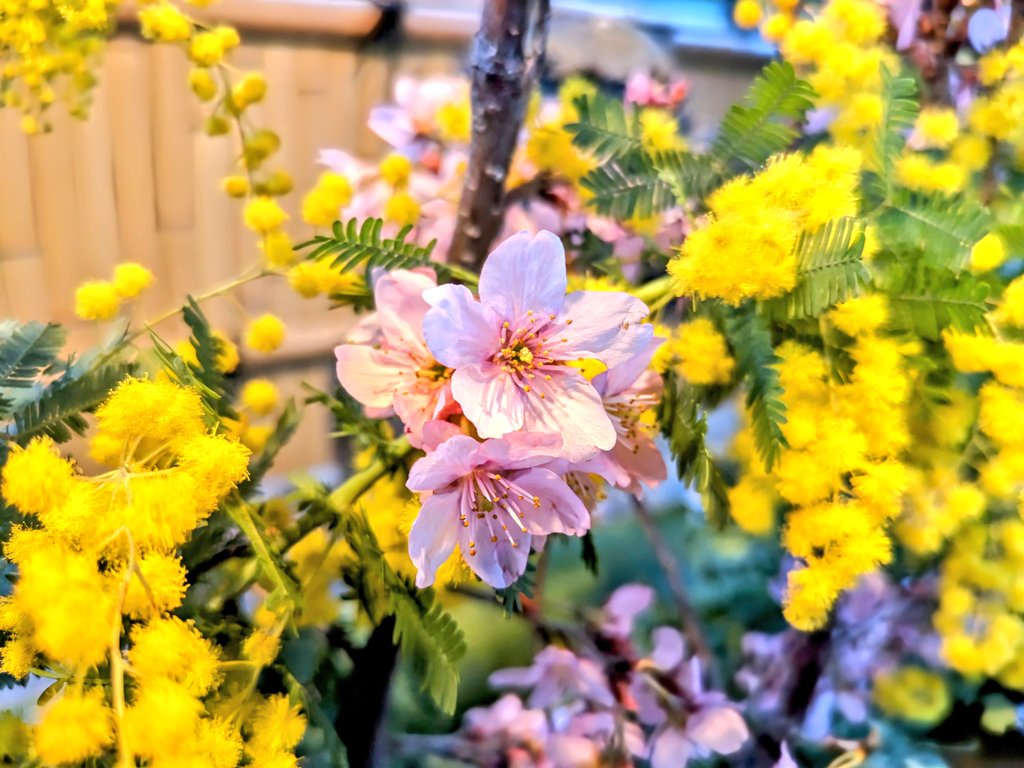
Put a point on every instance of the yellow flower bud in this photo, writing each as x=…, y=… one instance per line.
x=216, y=126
x=97, y=300
x=250, y=90
x=235, y=186
x=164, y=23
x=988, y=253
x=206, y=49
x=279, y=183
x=747, y=14
x=263, y=214
x=259, y=147
x=228, y=37
x=277, y=249
x=131, y=279
x=202, y=84
x=402, y=209
x=265, y=333
x=395, y=169
x=260, y=396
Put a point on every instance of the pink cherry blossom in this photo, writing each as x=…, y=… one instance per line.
x=509, y=350
x=691, y=722
x=627, y=391
x=386, y=365
x=490, y=498
x=622, y=607
x=557, y=675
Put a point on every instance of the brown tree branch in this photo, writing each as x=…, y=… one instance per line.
x=508, y=52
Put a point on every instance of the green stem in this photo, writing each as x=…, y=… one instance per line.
x=655, y=291
x=346, y=494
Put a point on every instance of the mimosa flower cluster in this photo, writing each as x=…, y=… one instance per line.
x=99, y=577
x=491, y=387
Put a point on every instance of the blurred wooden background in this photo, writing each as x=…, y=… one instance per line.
x=140, y=181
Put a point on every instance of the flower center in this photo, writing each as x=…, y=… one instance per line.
x=530, y=348
x=493, y=501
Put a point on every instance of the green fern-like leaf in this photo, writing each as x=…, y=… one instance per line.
x=352, y=245
x=429, y=638
x=689, y=176
x=208, y=349
x=604, y=127
x=628, y=187
x=284, y=430
x=943, y=229
x=186, y=375
x=751, y=340
x=928, y=301
x=685, y=427
x=899, y=111
x=58, y=412
x=763, y=125
x=829, y=269
x=26, y=351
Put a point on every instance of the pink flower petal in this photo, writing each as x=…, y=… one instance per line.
x=498, y=563
x=671, y=749
x=572, y=408
x=623, y=375
x=521, y=450
x=599, y=321
x=490, y=399
x=372, y=377
x=458, y=330
x=524, y=273
x=401, y=308
x=560, y=511
x=720, y=729
x=669, y=648
x=452, y=460
x=433, y=534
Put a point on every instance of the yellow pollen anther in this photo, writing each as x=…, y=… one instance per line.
x=541, y=395
x=527, y=388
x=506, y=325
x=525, y=355
x=568, y=322
x=547, y=377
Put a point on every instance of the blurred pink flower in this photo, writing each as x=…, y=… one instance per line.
x=622, y=607
x=386, y=365
x=557, y=676
x=627, y=391
x=414, y=113
x=490, y=498
x=509, y=349
x=645, y=91
x=691, y=722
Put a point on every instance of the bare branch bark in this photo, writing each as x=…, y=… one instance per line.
x=508, y=52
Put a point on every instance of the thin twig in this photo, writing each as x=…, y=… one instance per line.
x=687, y=614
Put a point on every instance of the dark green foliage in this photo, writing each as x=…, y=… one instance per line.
x=689, y=176
x=763, y=125
x=604, y=128
x=208, y=348
x=829, y=270
x=429, y=637
x=899, y=111
x=628, y=187
x=510, y=596
x=684, y=425
x=58, y=411
x=927, y=301
x=284, y=430
x=941, y=228
x=750, y=339
x=27, y=351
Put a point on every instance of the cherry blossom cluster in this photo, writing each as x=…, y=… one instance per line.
x=493, y=389
x=605, y=703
